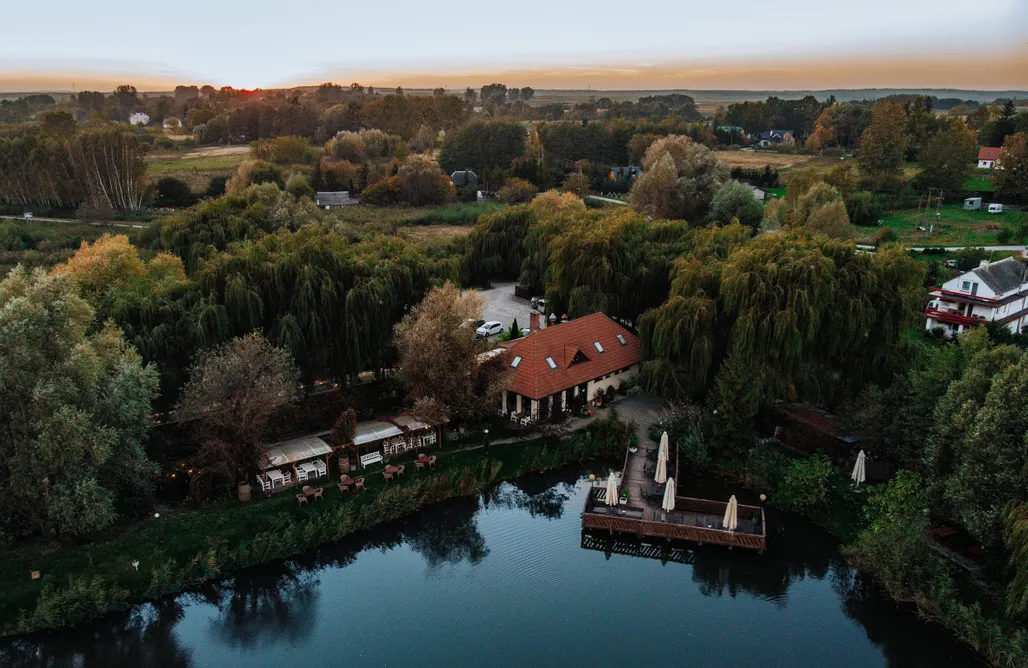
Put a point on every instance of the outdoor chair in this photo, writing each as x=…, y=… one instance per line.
x=301, y=499
x=319, y=493
x=307, y=491
x=301, y=475
x=419, y=465
x=399, y=470
x=387, y=476
x=343, y=488
x=431, y=462
x=358, y=484
x=265, y=485
x=287, y=478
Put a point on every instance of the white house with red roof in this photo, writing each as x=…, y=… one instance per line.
x=566, y=363
x=988, y=157
x=992, y=292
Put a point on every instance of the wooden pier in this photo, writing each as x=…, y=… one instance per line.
x=696, y=520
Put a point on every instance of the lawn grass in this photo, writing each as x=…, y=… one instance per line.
x=980, y=181
x=195, y=168
x=956, y=227
x=451, y=214
x=212, y=539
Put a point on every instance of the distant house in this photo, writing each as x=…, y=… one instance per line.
x=554, y=368
x=627, y=172
x=335, y=200
x=992, y=292
x=464, y=177
x=139, y=118
x=758, y=193
x=773, y=137
x=988, y=157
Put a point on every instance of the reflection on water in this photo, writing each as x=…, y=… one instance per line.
x=509, y=579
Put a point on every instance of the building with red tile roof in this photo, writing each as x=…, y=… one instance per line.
x=988, y=157
x=567, y=363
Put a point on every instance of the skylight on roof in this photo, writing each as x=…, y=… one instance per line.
x=515, y=362
x=621, y=339
x=551, y=363
x=598, y=346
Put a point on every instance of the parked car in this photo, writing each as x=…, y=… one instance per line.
x=540, y=305
x=489, y=329
x=473, y=324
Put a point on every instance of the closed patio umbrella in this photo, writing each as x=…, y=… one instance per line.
x=661, y=474
x=662, y=451
x=612, y=490
x=732, y=514
x=858, y=469
x=669, y=495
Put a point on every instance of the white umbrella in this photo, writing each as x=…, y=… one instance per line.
x=612, y=490
x=732, y=514
x=662, y=451
x=661, y=474
x=858, y=469
x=669, y=496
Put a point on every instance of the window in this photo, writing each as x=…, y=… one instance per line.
x=551, y=363
x=621, y=339
x=515, y=362
x=598, y=346
x=965, y=286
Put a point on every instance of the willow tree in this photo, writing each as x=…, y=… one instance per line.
x=74, y=409
x=495, y=249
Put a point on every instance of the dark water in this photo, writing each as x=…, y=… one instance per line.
x=509, y=580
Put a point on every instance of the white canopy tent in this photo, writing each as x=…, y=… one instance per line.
x=296, y=450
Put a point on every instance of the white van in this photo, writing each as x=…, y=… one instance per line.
x=995, y=208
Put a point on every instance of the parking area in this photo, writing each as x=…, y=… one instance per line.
x=502, y=305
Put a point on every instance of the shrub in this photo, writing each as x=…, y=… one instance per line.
x=885, y=235
x=806, y=485
x=299, y=186
x=517, y=191
x=384, y=193
x=865, y=208
x=172, y=192
x=1004, y=236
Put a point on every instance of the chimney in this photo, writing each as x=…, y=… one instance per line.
x=533, y=321
x=553, y=319
x=564, y=318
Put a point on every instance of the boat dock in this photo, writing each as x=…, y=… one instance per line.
x=696, y=520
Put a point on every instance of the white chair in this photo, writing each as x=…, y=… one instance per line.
x=513, y=416
x=265, y=485
x=301, y=473
x=287, y=478
x=320, y=467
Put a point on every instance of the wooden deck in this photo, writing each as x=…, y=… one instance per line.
x=696, y=520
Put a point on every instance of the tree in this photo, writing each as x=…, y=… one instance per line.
x=735, y=200
x=231, y=397
x=697, y=176
x=514, y=332
x=883, y=146
x=437, y=354
x=482, y=145
x=576, y=183
x=821, y=209
x=493, y=94
x=298, y=185
x=74, y=411
x=947, y=159
x=1012, y=180
x=517, y=191
x=422, y=183
x=57, y=124
x=1015, y=536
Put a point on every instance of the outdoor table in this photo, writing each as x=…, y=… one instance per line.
x=274, y=475
x=423, y=458
x=347, y=480
x=392, y=469
x=308, y=469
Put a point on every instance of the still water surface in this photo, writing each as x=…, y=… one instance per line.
x=507, y=579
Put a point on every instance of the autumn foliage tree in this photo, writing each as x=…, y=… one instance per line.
x=437, y=355
x=883, y=146
x=679, y=179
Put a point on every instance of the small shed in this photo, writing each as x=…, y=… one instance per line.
x=464, y=177
x=334, y=200
x=972, y=204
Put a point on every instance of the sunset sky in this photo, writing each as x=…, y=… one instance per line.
x=746, y=44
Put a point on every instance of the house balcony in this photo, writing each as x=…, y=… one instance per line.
x=952, y=317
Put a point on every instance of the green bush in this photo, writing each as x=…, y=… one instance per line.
x=806, y=486
x=865, y=208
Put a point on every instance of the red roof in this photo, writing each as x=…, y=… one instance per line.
x=987, y=153
x=533, y=376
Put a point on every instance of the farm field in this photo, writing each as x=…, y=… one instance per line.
x=198, y=166
x=956, y=227
x=45, y=244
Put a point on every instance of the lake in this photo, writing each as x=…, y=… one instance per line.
x=508, y=579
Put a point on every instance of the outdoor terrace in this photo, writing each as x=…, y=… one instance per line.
x=696, y=520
